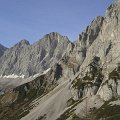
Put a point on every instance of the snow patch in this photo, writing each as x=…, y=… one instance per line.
x=44, y=72
x=36, y=75
x=12, y=76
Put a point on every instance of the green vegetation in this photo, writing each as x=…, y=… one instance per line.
x=66, y=114
x=70, y=111
x=20, y=107
x=24, y=97
x=87, y=78
x=70, y=102
x=75, y=117
x=19, y=114
x=114, y=74
x=107, y=111
x=77, y=83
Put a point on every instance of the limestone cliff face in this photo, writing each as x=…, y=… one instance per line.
x=76, y=52
x=26, y=59
x=85, y=75
x=106, y=47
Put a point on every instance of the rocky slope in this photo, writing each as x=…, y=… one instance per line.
x=83, y=84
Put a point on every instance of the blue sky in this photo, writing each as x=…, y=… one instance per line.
x=32, y=19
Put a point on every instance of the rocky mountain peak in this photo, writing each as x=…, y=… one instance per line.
x=56, y=36
x=87, y=37
x=113, y=10
x=22, y=43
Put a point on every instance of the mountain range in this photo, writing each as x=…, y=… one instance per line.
x=63, y=80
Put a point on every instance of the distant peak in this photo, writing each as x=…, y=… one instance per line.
x=23, y=42
x=54, y=35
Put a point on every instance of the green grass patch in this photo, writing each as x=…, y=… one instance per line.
x=108, y=112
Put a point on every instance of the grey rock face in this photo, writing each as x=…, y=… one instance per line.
x=87, y=38
x=106, y=47
x=2, y=50
x=76, y=52
x=26, y=59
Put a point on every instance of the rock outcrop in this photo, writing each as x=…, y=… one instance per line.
x=76, y=52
